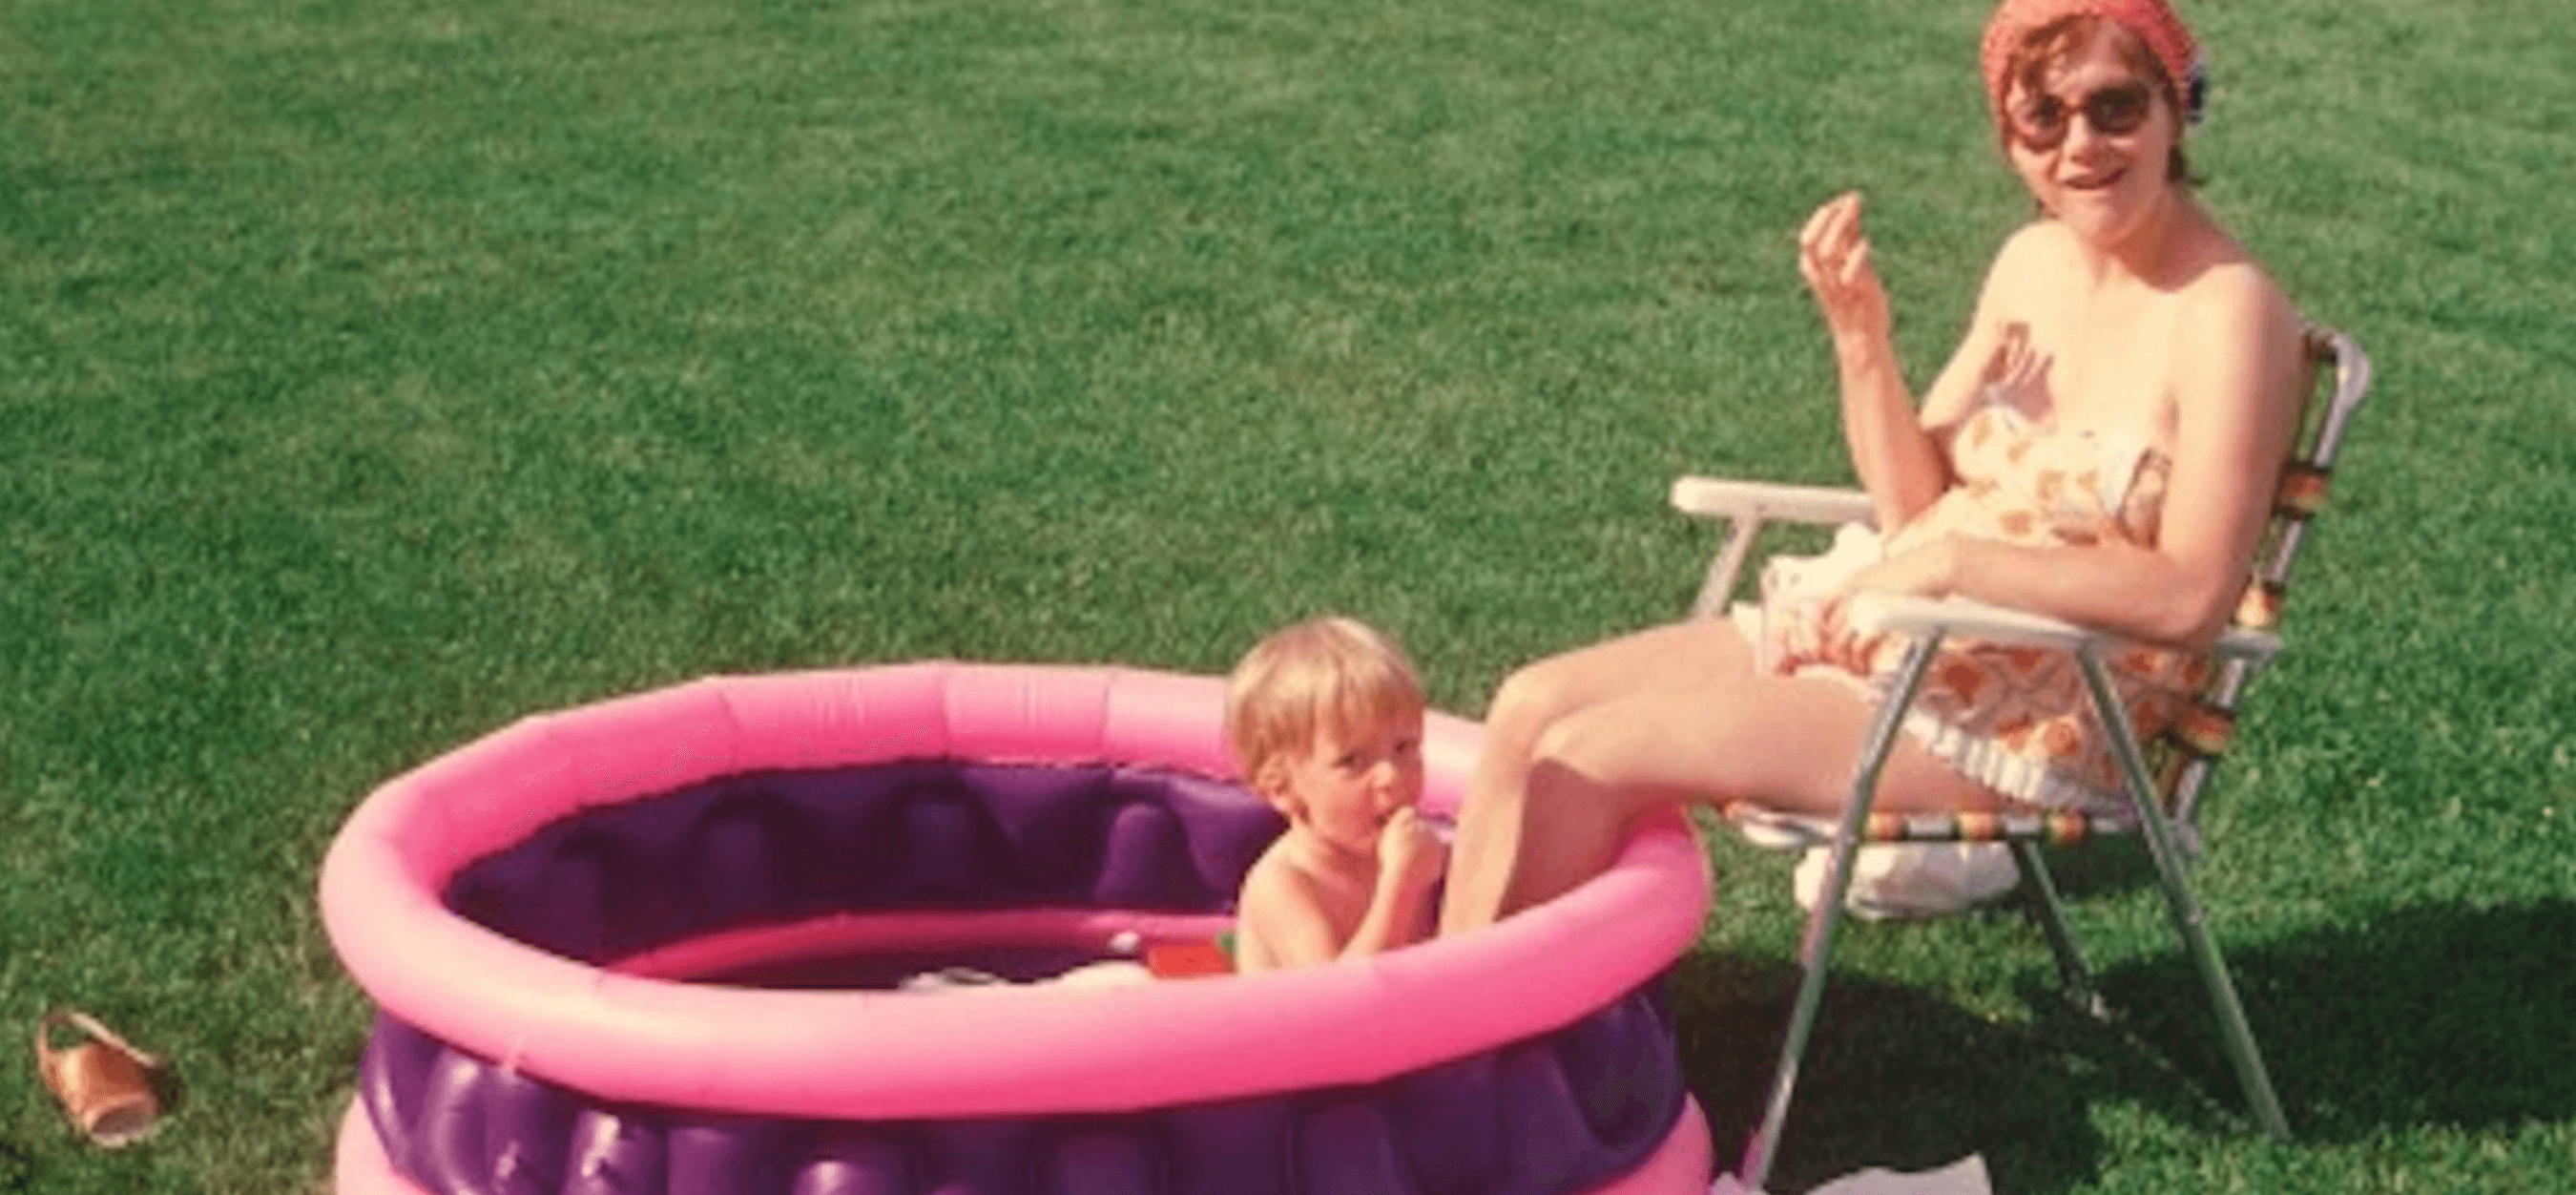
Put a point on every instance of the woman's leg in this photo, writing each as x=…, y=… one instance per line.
x=1707, y=655
x=1793, y=743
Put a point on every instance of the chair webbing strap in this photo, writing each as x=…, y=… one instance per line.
x=2055, y=827
x=2302, y=492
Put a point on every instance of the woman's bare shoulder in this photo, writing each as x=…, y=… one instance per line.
x=2235, y=300
x=2236, y=344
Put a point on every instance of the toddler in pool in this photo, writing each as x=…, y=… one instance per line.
x=1325, y=718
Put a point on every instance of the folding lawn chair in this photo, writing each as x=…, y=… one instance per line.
x=2163, y=781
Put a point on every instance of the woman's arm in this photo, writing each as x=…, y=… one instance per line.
x=1895, y=451
x=2236, y=394
x=2238, y=386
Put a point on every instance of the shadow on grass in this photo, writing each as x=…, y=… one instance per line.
x=1894, y=1077
x=17, y=1169
x=2441, y=1015
x=2112, y=865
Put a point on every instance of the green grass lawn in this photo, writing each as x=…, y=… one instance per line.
x=375, y=374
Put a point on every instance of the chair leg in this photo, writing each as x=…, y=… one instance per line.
x=2185, y=911
x=1718, y=588
x=1816, y=945
x=2050, y=910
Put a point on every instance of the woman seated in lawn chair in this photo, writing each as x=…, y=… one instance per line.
x=2102, y=448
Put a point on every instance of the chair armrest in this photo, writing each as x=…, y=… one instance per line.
x=1748, y=505
x=1979, y=620
x=1710, y=497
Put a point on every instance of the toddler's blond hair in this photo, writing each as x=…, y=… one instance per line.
x=1327, y=673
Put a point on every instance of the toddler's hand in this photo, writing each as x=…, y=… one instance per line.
x=1409, y=852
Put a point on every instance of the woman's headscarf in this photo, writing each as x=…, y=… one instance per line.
x=2152, y=22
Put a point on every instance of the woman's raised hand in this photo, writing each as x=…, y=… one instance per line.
x=1834, y=257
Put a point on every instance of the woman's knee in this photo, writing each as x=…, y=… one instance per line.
x=1528, y=700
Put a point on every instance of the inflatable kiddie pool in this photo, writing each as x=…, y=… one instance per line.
x=566, y=925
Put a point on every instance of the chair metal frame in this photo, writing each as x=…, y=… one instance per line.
x=2169, y=829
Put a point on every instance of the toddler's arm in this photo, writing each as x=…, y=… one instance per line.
x=1410, y=859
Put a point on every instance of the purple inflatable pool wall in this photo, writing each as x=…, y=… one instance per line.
x=531, y=911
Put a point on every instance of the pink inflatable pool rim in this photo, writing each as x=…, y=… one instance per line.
x=637, y=1032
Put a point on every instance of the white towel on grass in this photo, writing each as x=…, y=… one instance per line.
x=1967, y=1176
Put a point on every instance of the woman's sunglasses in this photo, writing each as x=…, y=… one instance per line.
x=2121, y=108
